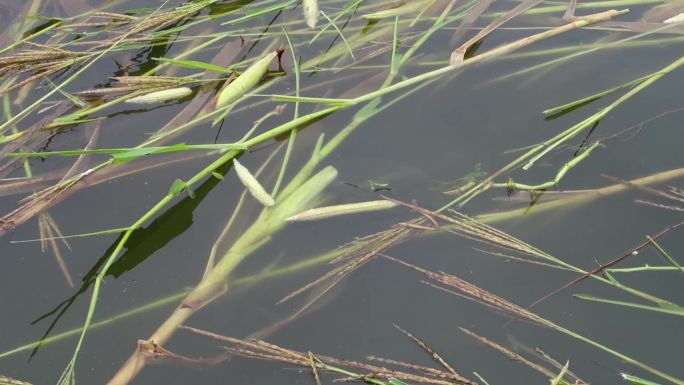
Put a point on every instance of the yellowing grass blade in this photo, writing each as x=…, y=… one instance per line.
x=161, y=96
x=253, y=186
x=337, y=210
x=311, y=12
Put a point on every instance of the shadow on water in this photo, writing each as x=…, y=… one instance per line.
x=142, y=244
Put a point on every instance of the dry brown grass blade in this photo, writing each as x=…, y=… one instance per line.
x=49, y=231
x=660, y=206
x=458, y=56
x=259, y=349
x=634, y=250
x=470, y=19
x=432, y=372
x=39, y=201
x=556, y=364
x=314, y=370
x=663, y=194
x=435, y=356
x=357, y=255
x=511, y=355
x=569, y=14
x=32, y=138
x=4, y=380
x=466, y=227
x=41, y=62
x=472, y=292
x=130, y=84
x=153, y=351
x=362, y=251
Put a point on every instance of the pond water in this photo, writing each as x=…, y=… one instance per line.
x=420, y=141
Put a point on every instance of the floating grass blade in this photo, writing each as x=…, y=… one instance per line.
x=339, y=32
x=161, y=96
x=664, y=308
x=338, y=210
x=196, y=65
x=253, y=186
x=400, y=9
x=588, y=99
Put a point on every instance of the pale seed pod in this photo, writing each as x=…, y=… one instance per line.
x=345, y=209
x=252, y=184
x=311, y=12
x=161, y=96
x=245, y=82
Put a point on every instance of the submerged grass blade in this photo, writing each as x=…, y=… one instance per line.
x=634, y=380
x=665, y=308
x=405, y=8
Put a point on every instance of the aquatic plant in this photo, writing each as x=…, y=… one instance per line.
x=256, y=69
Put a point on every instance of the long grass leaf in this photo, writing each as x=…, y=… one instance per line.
x=634, y=380
x=668, y=309
x=196, y=65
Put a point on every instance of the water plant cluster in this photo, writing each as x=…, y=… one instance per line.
x=244, y=73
